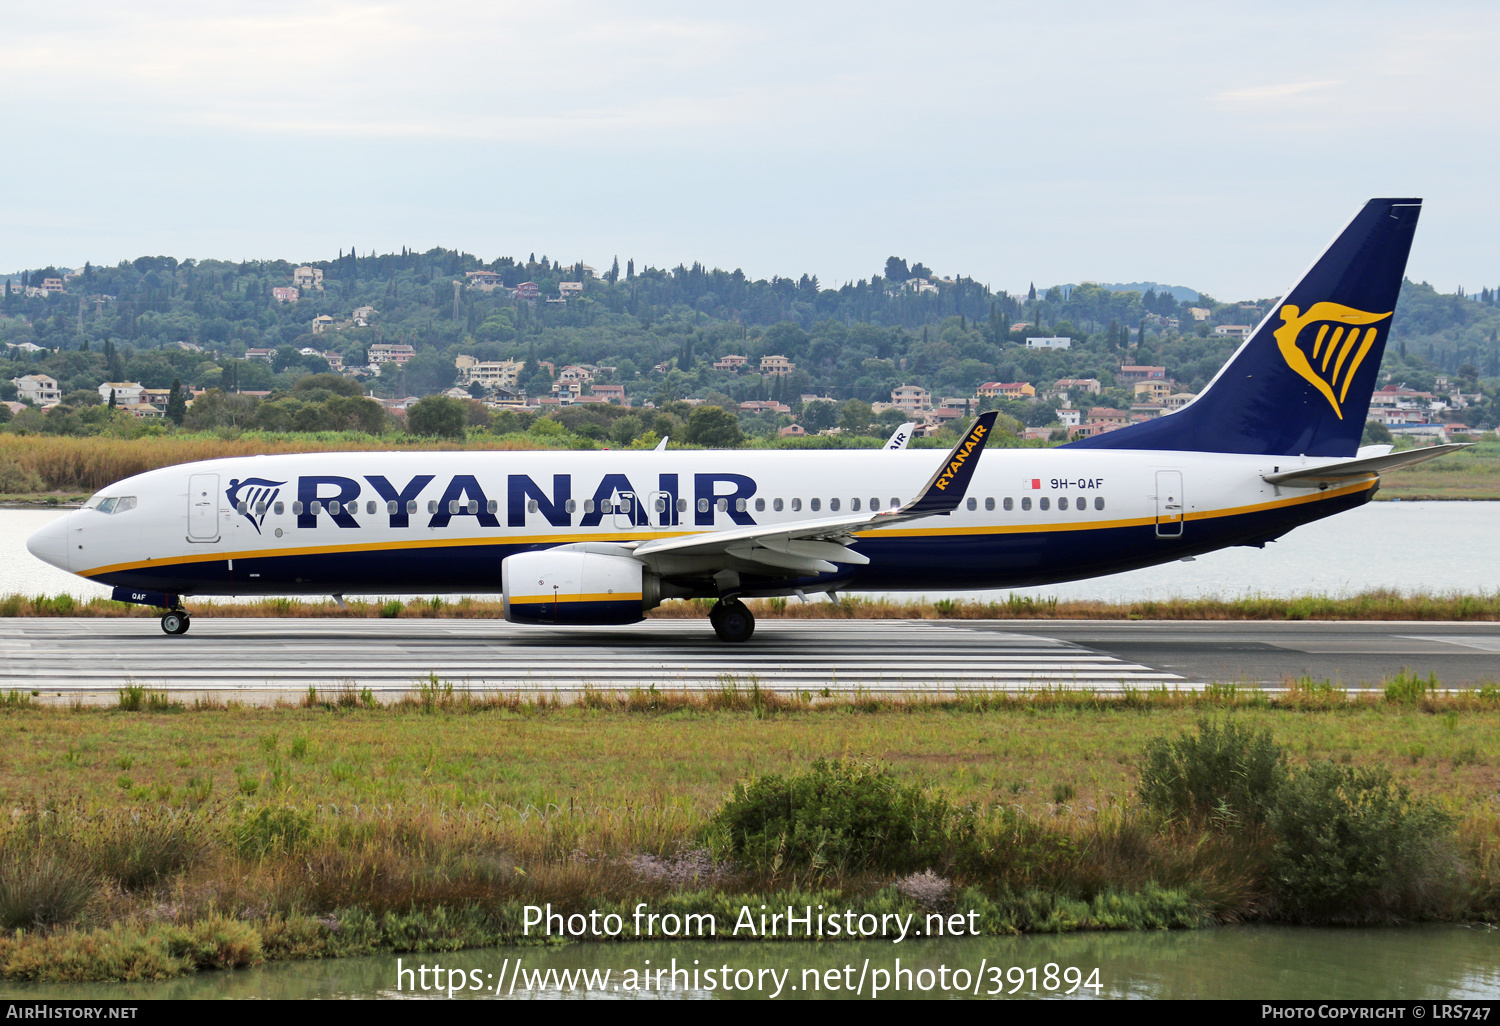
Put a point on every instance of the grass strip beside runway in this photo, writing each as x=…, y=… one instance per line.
x=1383, y=604
x=151, y=839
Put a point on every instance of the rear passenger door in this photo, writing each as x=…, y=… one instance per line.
x=1169, y=504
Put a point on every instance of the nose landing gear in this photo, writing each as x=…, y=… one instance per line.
x=731, y=620
x=176, y=621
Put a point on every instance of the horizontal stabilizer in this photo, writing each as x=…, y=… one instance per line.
x=1358, y=468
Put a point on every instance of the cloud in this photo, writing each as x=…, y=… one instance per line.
x=389, y=70
x=777, y=135
x=1272, y=93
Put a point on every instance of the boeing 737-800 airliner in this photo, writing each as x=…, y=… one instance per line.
x=602, y=537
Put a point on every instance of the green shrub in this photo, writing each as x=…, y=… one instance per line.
x=1354, y=846
x=141, y=852
x=15, y=479
x=121, y=952
x=41, y=888
x=160, y=701
x=392, y=609
x=845, y=815
x=1406, y=688
x=1224, y=773
x=217, y=943
x=268, y=831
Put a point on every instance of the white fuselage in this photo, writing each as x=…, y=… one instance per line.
x=268, y=524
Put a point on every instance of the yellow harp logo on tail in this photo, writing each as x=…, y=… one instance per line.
x=1328, y=356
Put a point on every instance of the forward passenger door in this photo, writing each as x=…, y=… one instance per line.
x=203, y=508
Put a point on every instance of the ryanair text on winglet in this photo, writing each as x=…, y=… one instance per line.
x=958, y=460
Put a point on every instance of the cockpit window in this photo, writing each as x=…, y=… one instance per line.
x=111, y=504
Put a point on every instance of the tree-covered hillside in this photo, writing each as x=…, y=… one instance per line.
x=657, y=331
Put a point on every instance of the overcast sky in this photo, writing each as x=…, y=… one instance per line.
x=1218, y=146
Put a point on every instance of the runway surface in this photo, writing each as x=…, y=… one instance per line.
x=253, y=658
x=1462, y=654
x=258, y=660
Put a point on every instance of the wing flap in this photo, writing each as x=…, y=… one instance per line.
x=836, y=551
x=719, y=541
x=781, y=560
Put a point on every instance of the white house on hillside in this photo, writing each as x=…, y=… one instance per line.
x=39, y=389
x=125, y=391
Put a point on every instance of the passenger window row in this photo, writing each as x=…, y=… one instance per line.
x=471, y=507
x=1044, y=503
x=816, y=505
x=777, y=505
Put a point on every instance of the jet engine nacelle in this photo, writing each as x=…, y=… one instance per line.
x=570, y=586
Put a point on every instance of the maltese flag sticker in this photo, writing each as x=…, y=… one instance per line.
x=1031, y=484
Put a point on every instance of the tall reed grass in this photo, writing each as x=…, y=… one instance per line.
x=66, y=463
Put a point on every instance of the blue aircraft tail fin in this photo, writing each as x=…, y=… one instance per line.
x=1301, y=383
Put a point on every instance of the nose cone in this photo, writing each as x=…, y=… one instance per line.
x=50, y=543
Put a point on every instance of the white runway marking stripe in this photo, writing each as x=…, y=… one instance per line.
x=263, y=656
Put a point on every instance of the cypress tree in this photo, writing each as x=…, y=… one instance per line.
x=176, y=404
x=112, y=403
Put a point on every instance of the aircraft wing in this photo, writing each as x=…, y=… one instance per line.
x=814, y=546
x=1333, y=472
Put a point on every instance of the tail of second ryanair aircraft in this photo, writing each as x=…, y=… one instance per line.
x=1301, y=383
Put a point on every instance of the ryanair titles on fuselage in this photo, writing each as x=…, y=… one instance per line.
x=337, y=497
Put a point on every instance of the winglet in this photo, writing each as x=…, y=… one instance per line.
x=900, y=436
x=945, y=489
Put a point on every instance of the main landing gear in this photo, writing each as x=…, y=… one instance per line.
x=731, y=620
x=176, y=621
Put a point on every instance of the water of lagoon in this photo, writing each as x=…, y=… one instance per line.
x=1261, y=963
